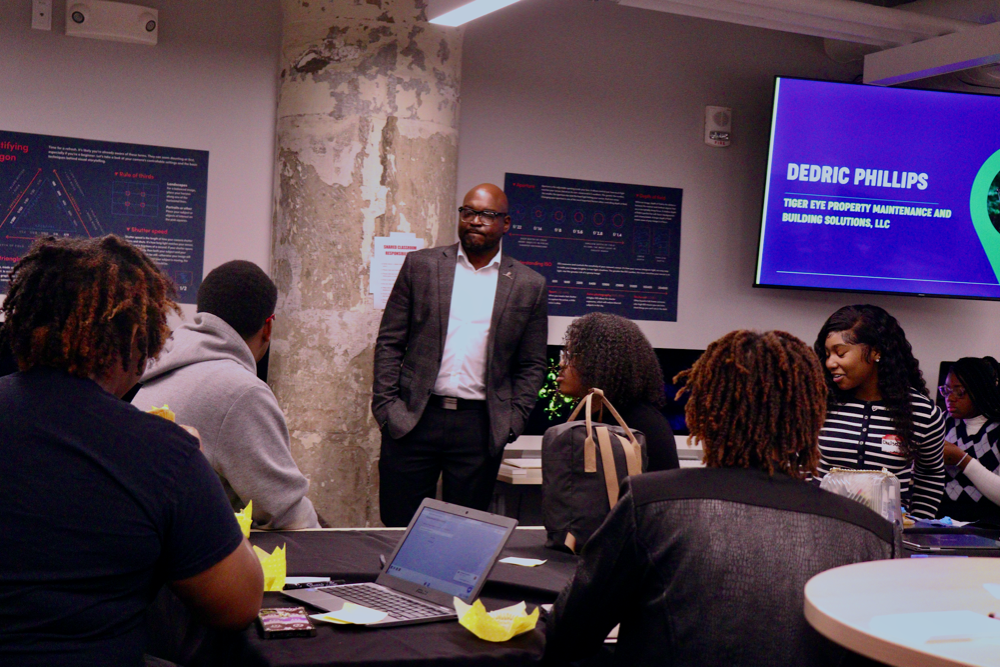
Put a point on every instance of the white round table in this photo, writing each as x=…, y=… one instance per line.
x=911, y=612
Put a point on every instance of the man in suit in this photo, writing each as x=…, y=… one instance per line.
x=459, y=360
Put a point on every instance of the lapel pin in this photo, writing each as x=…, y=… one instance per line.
x=508, y=274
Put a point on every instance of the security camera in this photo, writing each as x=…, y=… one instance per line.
x=147, y=21
x=77, y=13
x=118, y=21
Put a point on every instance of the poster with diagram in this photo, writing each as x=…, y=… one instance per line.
x=608, y=247
x=152, y=196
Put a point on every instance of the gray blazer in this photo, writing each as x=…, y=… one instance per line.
x=412, y=335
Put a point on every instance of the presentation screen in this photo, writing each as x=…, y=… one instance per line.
x=882, y=190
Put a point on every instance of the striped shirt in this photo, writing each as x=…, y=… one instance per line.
x=859, y=435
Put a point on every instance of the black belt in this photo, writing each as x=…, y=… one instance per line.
x=452, y=403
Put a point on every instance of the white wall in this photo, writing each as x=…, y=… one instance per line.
x=564, y=88
x=210, y=84
x=597, y=91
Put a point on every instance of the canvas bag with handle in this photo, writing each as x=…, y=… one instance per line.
x=583, y=464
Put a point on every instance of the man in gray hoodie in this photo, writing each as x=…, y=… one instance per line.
x=207, y=374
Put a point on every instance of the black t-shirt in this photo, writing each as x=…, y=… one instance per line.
x=661, y=448
x=100, y=504
x=8, y=364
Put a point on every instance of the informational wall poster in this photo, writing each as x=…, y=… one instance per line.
x=606, y=247
x=390, y=251
x=154, y=197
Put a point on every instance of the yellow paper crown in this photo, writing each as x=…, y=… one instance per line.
x=164, y=412
x=245, y=517
x=495, y=626
x=273, y=566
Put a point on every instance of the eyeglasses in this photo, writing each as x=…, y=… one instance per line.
x=468, y=214
x=957, y=392
x=565, y=358
x=270, y=319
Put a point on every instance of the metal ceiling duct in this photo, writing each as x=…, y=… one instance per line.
x=851, y=29
x=834, y=19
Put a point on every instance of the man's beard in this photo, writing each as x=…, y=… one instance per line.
x=477, y=243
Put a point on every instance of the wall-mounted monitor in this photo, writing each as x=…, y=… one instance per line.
x=875, y=189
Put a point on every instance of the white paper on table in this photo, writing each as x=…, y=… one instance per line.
x=524, y=463
x=993, y=589
x=935, y=627
x=390, y=251
x=523, y=562
x=351, y=613
x=306, y=580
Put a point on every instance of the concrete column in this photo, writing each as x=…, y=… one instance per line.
x=367, y=143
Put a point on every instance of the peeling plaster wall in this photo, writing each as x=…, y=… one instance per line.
x=367, y=143
x=620, y=97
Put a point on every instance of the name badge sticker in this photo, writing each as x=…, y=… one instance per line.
x=892, y=444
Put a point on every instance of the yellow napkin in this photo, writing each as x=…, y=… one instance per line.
x=351, y=613
x=245, y=517
x=164, y=412
x=495, y=626
x=273, y=566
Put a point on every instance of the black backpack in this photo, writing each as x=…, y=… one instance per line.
x=583, y=465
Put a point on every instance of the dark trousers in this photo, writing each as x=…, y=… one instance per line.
x=451, y=443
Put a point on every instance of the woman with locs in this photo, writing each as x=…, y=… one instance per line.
x=878, y=412
x=708, y=566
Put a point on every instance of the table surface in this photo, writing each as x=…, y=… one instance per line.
x=917, y=612
x=352, y=555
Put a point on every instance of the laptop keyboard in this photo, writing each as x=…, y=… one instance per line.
x=381, y=599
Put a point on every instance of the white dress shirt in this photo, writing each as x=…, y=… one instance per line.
x=463, y=363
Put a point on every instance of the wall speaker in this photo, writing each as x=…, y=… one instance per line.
x=718, y=126
x=116, y=21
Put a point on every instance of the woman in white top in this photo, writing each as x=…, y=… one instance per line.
x=972, y=437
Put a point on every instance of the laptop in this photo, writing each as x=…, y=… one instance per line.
x=447, y=551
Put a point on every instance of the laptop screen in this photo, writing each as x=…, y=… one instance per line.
x=447, y=553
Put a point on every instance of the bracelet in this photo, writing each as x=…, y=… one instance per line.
x=962, y=460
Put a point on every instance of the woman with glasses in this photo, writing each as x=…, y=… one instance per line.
x=878, y=413
x=611, y=353
x=972, y=440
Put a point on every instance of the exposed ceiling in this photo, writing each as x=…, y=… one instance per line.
x=901, y=41
x=913, y=42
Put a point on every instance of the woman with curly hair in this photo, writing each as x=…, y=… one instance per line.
x=878, y=413
x=708, y=566
x=972, y=440
x=611, y=353
x=102, y=504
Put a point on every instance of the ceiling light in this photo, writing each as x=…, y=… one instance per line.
x=470, y=12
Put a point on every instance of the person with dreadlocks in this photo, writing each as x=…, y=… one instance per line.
x=972, y=440
x=102, y=504
x=878, y=413
x=611, y=353
x=708, y=566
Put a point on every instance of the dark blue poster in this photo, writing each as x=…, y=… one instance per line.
x=153, y=197
x=607, y=247
x=882, y=189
